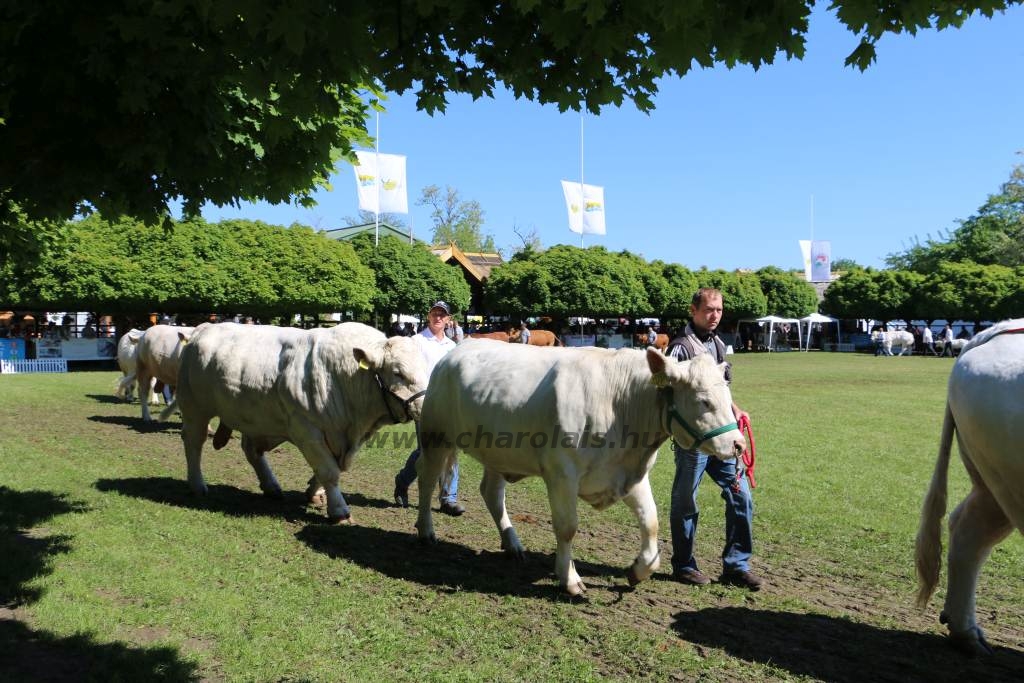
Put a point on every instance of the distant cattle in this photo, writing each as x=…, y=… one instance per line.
x=957, y=345
x=157, y=356
x=324, y=390
x=127, y=350
x=537, y=337
x=660, y=341
x=589, y=421
x=900, y=339
x=497, y=336
x=985, y=411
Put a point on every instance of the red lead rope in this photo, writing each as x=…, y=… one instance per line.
x=750, y=454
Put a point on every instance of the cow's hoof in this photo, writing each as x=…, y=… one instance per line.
x=576, y=590
x=340, y=520
x=972, y=643
x=427, y=540
x=632, y=577
x=276, y=494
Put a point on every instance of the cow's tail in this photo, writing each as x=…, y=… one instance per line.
x=558, y=342
x=124, y=385
x=167, y=412
x=928, y=549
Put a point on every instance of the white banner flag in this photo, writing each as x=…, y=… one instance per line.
x=821, y=261
x=586, y=208
x=381, y=176
x=805, y=251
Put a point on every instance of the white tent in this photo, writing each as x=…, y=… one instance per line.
x=772, y=321
x=817, y=318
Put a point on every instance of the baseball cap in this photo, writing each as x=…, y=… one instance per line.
x=443, y=306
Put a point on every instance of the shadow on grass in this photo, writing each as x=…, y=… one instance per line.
x=450, y=567
x=227, y=500
x=834, y=649
x=30, y=655
x=137, y=423
x=110, y=398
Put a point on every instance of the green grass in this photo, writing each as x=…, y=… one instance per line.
x=111, y=570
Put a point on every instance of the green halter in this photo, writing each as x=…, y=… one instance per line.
x=673, y=414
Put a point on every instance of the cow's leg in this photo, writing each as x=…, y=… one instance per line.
x=193, y=436
x=433, y=460
x=257, y=457
x=976, y=525
x=492, y=488
x=640, y=500
x=310, y=441
x=146, y=381
x=563, y=489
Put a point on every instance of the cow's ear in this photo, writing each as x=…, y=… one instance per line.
x=370, y=358
x=655, y=361
x=184, y=337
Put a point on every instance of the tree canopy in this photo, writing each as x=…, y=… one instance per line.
x=125, y=106
x=124, y=266
x=456, y=221
x=408, y=277
x=994, y=235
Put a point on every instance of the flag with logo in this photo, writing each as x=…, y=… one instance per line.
x=585, y=204
x=805, y=251
x=821, y=261
x=380, y=182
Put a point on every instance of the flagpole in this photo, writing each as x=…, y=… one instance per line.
x=583, y=207
x=376, y=213
x=583, y=199
x=812, y=218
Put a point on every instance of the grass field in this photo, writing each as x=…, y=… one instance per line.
x=110, y=570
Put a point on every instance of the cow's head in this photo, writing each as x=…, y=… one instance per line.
x=697, y=406
x=400, y=372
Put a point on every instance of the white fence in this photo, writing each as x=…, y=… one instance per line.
x=39, y=365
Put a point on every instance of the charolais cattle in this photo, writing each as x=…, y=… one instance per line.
x=497, y=336
x=660, y=341
x=157, y=356
x=537, y=338
x=127, y=350
x=324, y=390
x=900, y=339
x=957, y=345
x=588, y=421
x=985, y=411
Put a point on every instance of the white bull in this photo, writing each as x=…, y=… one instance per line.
x=589, y=421
x=901, y=339
x=157, y=358
x=985, y=410
x=324, y=390
x=127, y=351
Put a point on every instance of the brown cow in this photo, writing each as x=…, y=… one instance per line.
x=660, y=342
x=497, y=336
x=537, y=338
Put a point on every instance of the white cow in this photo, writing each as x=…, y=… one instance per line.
x=127, y=350
x=324, y=390
x=589, y=421
x=900, y=338
x=157, y=356
x=985, y=410
x=957, y=345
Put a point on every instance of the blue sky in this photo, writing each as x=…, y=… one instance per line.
x=723, y=172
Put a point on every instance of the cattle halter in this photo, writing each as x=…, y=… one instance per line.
x=384, y=391
x=672, y=414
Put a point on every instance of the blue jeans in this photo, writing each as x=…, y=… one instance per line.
x=739, y=511
x=449, y=484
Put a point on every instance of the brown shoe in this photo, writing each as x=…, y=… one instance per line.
x=743, y=579
x=694, y=577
